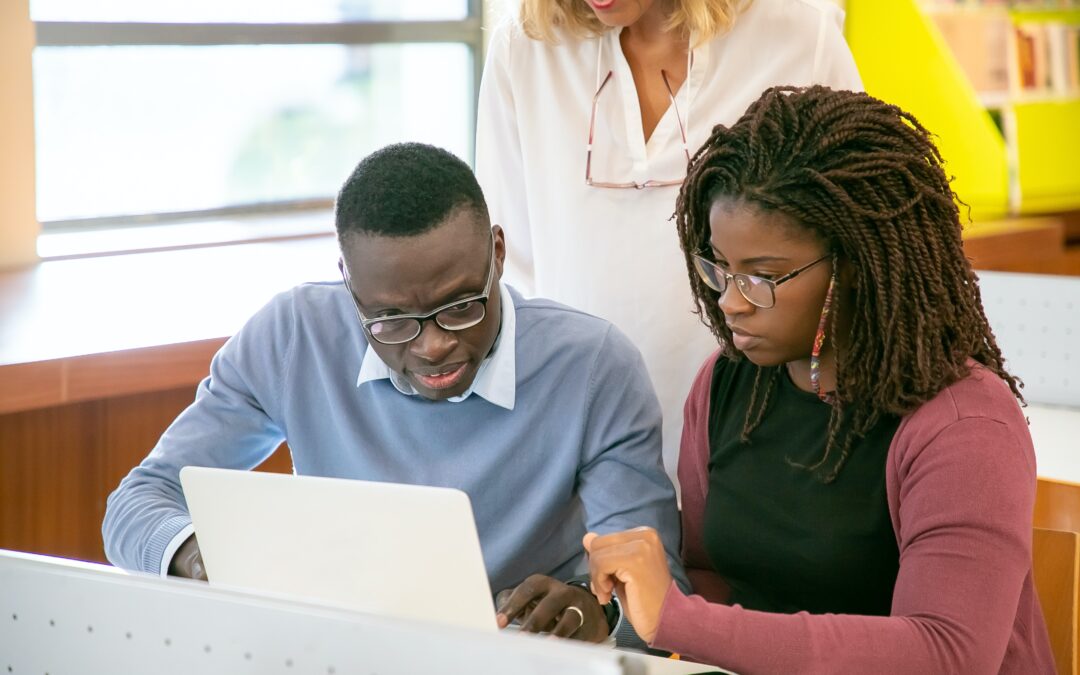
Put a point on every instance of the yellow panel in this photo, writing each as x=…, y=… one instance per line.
x=1048, y=144
x=1031, y=14
x=904, y=60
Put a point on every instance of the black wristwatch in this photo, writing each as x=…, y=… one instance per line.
x=612, y=612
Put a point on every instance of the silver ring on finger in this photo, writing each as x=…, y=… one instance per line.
x=581, y=617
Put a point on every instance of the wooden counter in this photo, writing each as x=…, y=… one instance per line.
x=1036, y=244
x=93, y=328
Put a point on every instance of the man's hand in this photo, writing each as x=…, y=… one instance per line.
x=548, y=605
x=187, y=561
x=632, y=565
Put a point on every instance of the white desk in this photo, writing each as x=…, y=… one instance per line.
x=1036, y=320
x=62, y=617
x=1055, y=431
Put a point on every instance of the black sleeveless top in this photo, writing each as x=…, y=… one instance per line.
x=784, y=540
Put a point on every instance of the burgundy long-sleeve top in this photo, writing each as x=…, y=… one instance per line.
x=960, y=482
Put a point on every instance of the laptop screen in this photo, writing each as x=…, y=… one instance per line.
x=405, y=551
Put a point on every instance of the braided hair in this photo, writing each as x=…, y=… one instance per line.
x=866, y=178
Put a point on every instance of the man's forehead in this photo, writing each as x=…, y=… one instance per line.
x=415, y=272
x=430, y=251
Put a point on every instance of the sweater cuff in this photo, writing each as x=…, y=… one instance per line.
x=174, y=545
x=676, y=629
x=163, y=541
x=623, y=632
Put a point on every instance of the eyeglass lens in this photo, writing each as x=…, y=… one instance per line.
x=756, y=290
x=459, y=317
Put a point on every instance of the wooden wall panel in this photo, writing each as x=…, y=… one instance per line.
x=279, y=462
x=52, y=471
x=133, y=425
x=58, y=466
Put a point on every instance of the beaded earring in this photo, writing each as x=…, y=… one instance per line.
x=819, y=342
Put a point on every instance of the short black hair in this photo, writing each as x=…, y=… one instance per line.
x=404, y=190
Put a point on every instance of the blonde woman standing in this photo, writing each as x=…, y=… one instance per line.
x=588, y=112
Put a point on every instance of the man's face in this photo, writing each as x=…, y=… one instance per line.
x=414, y=275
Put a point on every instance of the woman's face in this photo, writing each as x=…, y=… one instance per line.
x=748, y=240
x=619, y=13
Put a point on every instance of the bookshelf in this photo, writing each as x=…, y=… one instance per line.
x=998, y=82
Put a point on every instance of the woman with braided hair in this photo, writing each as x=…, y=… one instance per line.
x=858, y=477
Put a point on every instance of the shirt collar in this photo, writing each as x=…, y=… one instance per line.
x=495, y=381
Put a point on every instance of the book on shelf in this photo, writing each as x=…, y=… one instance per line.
x=1043, y=5
x=977, y=42
x=1021, y=52
x=1038, y=5
x=1008, y=54
x=1044, y=59
x=1072, y=38
x=1058, y=57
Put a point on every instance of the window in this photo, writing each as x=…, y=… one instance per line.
x=155, y=112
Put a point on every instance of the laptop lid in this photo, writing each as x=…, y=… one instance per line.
x=406, y=551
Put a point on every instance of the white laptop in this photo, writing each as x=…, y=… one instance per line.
x=395, y=550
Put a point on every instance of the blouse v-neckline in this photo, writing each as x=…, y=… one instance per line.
x=666, y=132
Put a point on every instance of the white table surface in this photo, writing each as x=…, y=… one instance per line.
x=1055, y=432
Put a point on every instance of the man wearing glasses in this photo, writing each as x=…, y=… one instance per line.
x=421, y=367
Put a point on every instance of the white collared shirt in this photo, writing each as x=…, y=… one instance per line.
x=615, y=253
x=495, y=381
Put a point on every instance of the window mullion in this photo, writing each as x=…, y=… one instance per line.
x=90, y=34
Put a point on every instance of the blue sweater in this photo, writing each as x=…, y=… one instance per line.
x=579, y=451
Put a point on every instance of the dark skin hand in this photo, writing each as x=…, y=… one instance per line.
x=541, y=603
x=187, y=561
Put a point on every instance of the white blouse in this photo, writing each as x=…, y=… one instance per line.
x=615, y=252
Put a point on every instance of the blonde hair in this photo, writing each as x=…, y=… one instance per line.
x=708, y=18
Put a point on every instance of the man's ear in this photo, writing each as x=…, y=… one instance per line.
x=499, y=235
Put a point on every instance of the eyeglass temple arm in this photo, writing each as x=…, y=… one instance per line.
x=795, y=273
x=592, y=126
x=678, y=115
x=356, y=303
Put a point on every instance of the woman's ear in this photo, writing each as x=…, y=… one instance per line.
x=845, y=272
